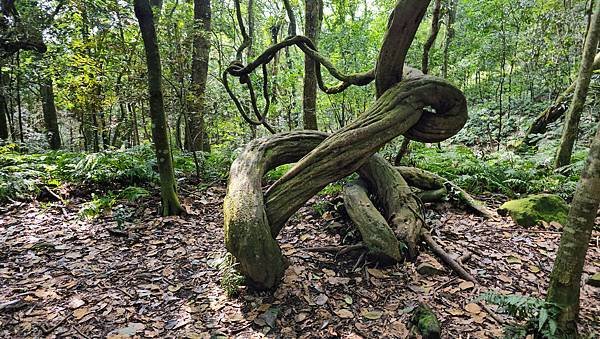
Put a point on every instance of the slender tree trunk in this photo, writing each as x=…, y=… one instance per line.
x=170, y=202
x=433, y=32
x=450, y=18
x=19, y=108
x=566, y=273
x=50, y=116
x=3, y=110
x=312, y=27
x=563, y=156
x=291, y=17
x=198, y=140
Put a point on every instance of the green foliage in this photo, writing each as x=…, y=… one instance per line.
x=502, y=172
x=215, y=165
x=133, y=193
x=132, y=166
x=534, y=316
x=277, y=172
x=231, y=279
x=98, y=205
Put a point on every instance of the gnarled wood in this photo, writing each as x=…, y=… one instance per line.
x=398, y=111
x=374, y=229
x=400, y=208
x=248, y=235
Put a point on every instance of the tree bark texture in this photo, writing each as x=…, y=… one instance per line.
x=196, y=139
x=312, y=27
x=377, y=235
x=402, y=26
x=571, y=127
x=450, y=18
x=50, y=116
x=566, y=273
x=160, y=134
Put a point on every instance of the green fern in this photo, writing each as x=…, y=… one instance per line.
x=534, y=316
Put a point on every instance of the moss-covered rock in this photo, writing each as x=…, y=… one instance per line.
x=533, y=209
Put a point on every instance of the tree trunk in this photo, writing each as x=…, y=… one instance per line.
x=291, y=17
x=571, y=128
x=197, y=138
x=160, y=137
x=4, y=130
x=314, y=14
x=392, y=193
x=402, y=27
x=433, y=32
x=450, y=18
x=50, y=116
x=554, y=111
x=566, y=273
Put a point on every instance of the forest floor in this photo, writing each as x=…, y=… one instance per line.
x=64, y=276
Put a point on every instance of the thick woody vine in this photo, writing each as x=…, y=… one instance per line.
x=420, y=107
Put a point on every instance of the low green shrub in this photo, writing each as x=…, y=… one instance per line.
x=533, y=316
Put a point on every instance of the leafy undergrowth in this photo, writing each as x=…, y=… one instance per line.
x=65, y=276
x=504, y=172
x=24, y=176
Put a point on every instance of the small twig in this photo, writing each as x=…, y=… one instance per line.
x=55, y=195
x=437, y=249
x=47, y=331
x=359, y=261
x=81, y=334
x=492, y=314
x=461, y=260
x=124, y=292
x=350, y=248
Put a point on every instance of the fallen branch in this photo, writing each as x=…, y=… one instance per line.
x=440, y=252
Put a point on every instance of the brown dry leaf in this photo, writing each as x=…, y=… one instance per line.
x=300, y=317
x=398, y=329
x=465, y=285
x=473, y=308
x=76, y=303
x=371, y=315
x=505, y=278
x=455, y=311
x=321, y=299
x=80, y=312
x=376, y=273
x=344, y=313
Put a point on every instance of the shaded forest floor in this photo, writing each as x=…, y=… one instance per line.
x=61, y=275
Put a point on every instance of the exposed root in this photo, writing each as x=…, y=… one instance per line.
x=426, y=180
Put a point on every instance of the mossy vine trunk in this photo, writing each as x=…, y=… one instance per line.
x=420, y=107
